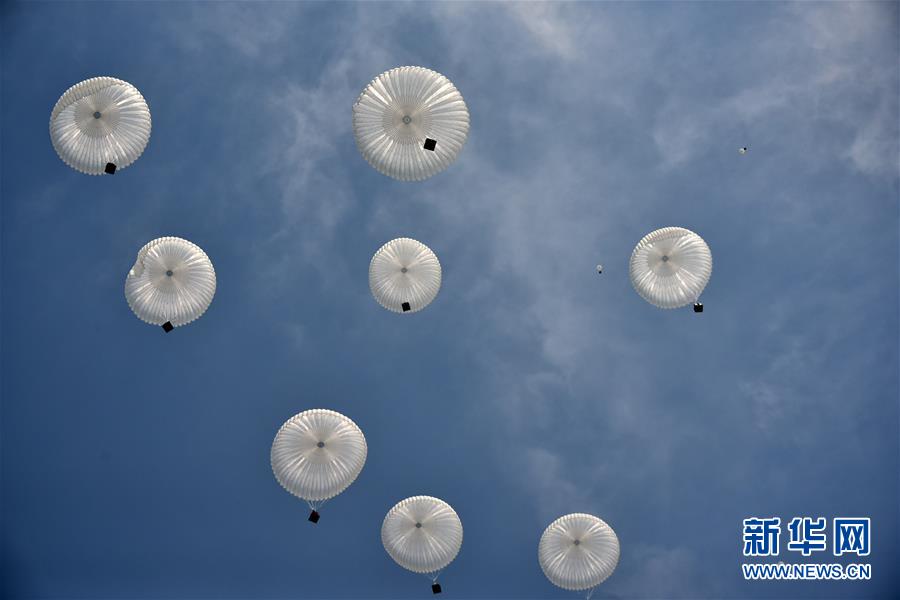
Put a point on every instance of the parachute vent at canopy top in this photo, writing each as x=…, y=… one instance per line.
x=100, y=125
x=399, y=117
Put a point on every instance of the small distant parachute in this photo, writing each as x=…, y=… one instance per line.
x=316, y=455
x=404, y=275
x=100, y=125
x=423, y=535
x=410, y=123
x=171, y=283
x=743, y=149
x=670, y=268
x=578, y=552
x=599, y=269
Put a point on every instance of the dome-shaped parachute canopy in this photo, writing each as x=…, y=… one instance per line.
x=410, y=123
x=404, y=275
x=317, y=454
x=100, y=125
x=171, y=283
x=578, y=552
x=670, y=267
x=422, y=534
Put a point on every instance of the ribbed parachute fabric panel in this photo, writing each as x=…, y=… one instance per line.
x=100, y=125
x=172, y=281
x=422, y=534
x=578, y=552
x=670, y=267
x=410, y=123
x=404, y=275
x=317, y=454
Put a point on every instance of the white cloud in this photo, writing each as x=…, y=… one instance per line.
x=661, y=572
x=255, y=31
x=546, y=22
x=529, y=211
x=551, y=487
x=875, y=148
x=800, y=93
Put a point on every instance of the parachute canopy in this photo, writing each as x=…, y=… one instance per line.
x=404, y=275
x=578, y=551
x=317, y=454
x=670, y=267
x=100, y=125
x=171, y=283
x=422, y=534
x=410, y=123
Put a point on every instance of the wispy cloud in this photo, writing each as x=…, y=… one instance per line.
x=831, y=71
x=550, y=25
x=252, y=30
x=577, y=149
x=562, y=208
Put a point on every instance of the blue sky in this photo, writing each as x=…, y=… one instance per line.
x=135, y=464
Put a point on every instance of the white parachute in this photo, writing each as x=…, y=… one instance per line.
x=404, y=275
x=171, y=283
x=423, y=535
x=316, y=455
x=670, y=268
x=578, y=552
x=410, y=123
x=100, y=125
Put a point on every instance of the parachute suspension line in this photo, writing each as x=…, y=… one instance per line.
x=745, y=138
x=316, y=504
x=433, y=575
x=590, y=593
x=314, y=507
